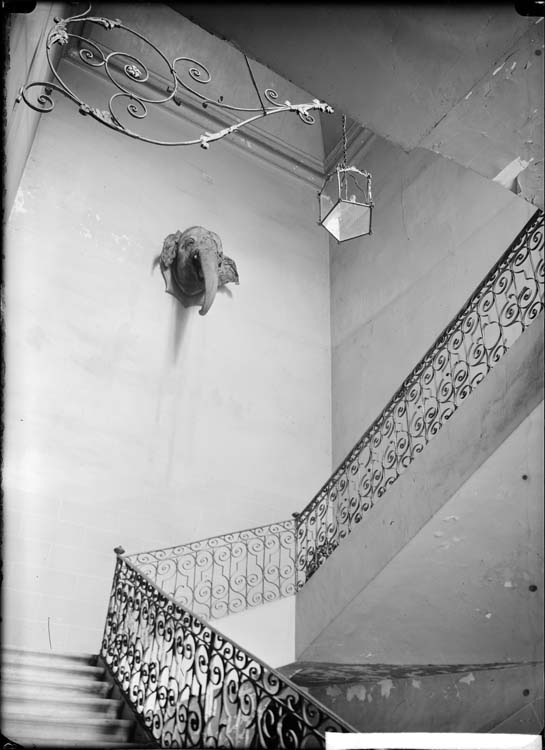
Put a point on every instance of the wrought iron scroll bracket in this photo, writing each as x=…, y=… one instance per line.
x=136, y=102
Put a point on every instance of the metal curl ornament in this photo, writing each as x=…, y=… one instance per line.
x=136, y=72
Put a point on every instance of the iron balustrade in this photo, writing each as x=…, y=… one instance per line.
x=498, y=312
x=226, y=574
x=192, y=686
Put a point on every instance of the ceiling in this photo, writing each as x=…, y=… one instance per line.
x=463, y=81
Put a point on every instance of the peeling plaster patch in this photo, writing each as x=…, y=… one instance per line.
x=356, y=691
x=118, y=238
x=385, y=688
x=416, y=684
x=506, y=178
x=333, y=692
x=488, y=615
x=19, y=203
x=468, y=679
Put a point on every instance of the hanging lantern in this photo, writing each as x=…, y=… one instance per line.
x=346, y=203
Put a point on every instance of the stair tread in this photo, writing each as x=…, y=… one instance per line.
x=35, y=741
x=51, y=677
x=26, y=691
x=42, y=664
x=75, y=721
x=61, y=687
x=30, y=693
x=19, y=650
x=17, y=708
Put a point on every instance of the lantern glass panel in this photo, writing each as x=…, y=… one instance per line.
x=353, y=187
x=329, y=196
x=348, y=220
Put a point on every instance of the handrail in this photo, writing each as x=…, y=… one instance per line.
x=192, y=686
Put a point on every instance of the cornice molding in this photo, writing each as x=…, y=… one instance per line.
x=254, y=141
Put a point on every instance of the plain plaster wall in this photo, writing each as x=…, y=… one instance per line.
x=438, y=228
x=488, y=416
x=459, y=591
x=128, y=419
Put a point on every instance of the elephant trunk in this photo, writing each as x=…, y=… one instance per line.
x=210, y=271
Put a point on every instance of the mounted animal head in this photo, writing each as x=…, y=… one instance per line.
x=193, y=264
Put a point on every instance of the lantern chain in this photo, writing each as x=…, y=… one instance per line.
x=344, y=163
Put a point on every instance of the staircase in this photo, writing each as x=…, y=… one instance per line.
x=193, y=687
x=63, y=700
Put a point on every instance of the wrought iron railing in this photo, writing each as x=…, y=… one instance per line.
x=501, y=308
x=226, y=574
x=192, y=686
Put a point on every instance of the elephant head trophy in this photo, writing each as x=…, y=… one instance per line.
x=194, y=267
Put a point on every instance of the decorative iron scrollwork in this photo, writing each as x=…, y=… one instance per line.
x=226, y=574
x=194, y=687
x=132, y=69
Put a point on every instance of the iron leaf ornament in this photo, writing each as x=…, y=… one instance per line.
x=180, y=74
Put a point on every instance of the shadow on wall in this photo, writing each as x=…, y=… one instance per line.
x=180, y=324
x=182, y=315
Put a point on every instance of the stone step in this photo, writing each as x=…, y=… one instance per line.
x=53, y=684
x=16, y=654
x=50, y=730
x=33, y=700
x=36, y=742
x=38, y=666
